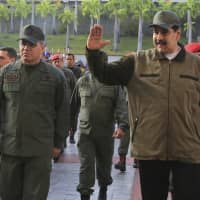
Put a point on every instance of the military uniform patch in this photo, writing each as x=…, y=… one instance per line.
x=11, y=77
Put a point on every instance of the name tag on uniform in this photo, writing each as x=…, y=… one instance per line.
x=11, y=77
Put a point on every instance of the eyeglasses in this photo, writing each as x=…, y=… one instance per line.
x=27, y=43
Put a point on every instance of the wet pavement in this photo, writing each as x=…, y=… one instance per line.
x=64, y=178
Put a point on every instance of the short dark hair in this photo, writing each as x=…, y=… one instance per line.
x=175, y=27
x=71, y=54
x=12, y=53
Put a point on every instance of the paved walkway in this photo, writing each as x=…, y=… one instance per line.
x=64, y=179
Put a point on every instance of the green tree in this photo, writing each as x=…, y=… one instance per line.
x=118, y=10
x=141, y=9
x=192, y=8
x=23, y=9
x=11, y=4
x=44, y=8
x=4, y=14
x=66, y=17
x=91, y=8
x=54, y=12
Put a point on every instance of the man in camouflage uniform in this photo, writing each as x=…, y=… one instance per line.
x=33, y=119
x=101, y=107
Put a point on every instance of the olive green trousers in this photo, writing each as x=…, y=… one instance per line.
x=25, y=178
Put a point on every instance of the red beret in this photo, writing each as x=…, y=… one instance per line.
x=56, y=56
x=193, y=47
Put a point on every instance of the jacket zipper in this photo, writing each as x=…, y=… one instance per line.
x=168, y=121
x=134, y=129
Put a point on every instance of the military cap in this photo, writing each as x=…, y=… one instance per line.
x=193, y=47
x=165, y=19
x=32, y=34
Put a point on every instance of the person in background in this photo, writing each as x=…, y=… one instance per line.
x=7, y=55
x=163, y=85
x=123, y=147
x=82, y=67
x=193, y=48
x=33, y=109
x=71, y=64
x=70, y=58
x=46, y=55
x=101, y=107
x=122, y=151
x=58, y=61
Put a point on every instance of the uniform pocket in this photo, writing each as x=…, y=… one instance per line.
x=85, y=127
x=151, y=77
x=11, y=87
x=85, y=96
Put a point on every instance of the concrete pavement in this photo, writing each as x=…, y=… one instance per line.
x=64, y=178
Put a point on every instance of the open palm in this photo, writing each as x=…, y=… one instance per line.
x=95, y=40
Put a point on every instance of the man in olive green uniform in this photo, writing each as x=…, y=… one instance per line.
x=163, y=85
x=71, y=65
x=101, y=107
x=57, y=61
x=33, y=121
x=7, y=55
x=123, y=147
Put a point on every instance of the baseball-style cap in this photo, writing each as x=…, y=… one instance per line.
x=165, y=19
x=32, y=34
x=193, y=47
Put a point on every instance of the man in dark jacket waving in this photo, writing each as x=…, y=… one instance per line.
x=163, y=85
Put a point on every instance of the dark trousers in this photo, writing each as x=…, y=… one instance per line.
x=25, y=178
x=154, y=178
x=95, y=151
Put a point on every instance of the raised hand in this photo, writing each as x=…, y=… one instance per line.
x=95, y=40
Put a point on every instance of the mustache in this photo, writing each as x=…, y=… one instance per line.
x=162, y=42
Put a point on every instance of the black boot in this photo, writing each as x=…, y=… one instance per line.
x=135, y=163
x=85, y=197
x=71, y=137
x=72, y=140
x=102, y=193
x=121, y=165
